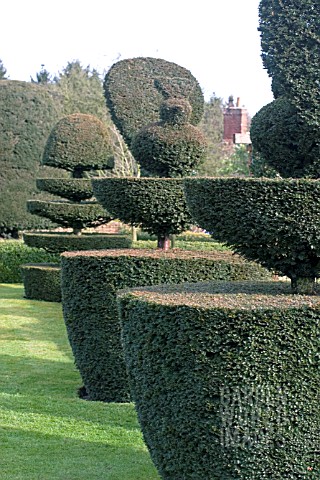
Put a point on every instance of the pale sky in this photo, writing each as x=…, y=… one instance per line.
x=217, y=40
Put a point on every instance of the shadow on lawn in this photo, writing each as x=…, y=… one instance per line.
x=32, y=321
x=11, y=291
x=27, y=455
x=27, y=375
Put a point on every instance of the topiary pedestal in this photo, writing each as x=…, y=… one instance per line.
x=90, y=281
x=225, y=379
x=42, y=281
x=34, y=274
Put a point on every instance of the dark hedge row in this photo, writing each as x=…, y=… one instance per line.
x=14, y=253
x=89, y=284
x=135, y=88
x=157, y=205
x=225, y=379
x=79, y=142
x=74, y=189
x=172, y=147
x=27, y=114
x=74, y=215
x=273, y=221
x=62, y=242
x=42, y=281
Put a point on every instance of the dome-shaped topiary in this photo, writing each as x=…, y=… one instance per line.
x=172, y=147
x=77, y=143
x=284, y=140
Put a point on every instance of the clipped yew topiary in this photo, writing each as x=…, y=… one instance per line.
x=172, y=147
x=290, y=53
x=60, y=242
x=157, y=205
x=67, y=187
x=90, y=281
x=42, y=281
x=273, y=221
x=74, y=215
x=141, y=91
x=78, y=143
x=135, y=89
x=285, y=141
x=225, y=379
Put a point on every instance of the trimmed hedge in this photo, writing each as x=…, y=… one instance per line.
x=28, y=112
x=67, y=214
x=42, y=281
x=135, y=88
x=14, y=253
x=273, y=221
x=79, y=142
x=63, y=242
x=157, y=205
x=75, y=189
x=225, y=379
x=89, y=284
x=172, y=147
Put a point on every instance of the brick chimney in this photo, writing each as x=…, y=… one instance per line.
x=235, y=123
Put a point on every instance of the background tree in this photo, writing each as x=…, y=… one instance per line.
x=3, y=71
x=221, y=159
x=81, y=89
x=290, y=43
x=211, y=126
x=43, y=76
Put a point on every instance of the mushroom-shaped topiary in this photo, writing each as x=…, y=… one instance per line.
x=172, y=147
x=77, y=143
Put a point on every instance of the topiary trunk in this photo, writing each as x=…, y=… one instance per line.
x=77, y=231
x=303, y=285
x=164, y=242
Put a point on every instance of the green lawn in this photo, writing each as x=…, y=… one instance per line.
x=46, y=431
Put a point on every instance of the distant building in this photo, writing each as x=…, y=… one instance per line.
x=236, y=123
